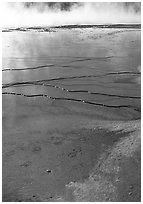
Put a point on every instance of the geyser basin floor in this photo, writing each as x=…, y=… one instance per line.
x=70, y=150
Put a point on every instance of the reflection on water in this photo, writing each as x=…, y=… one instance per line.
x=31, y=57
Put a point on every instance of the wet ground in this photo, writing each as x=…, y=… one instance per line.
x=55, y=85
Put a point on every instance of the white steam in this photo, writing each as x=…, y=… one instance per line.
x=17, y=15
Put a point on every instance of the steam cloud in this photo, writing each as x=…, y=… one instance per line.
x=64, y=13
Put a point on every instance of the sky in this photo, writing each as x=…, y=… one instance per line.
x=64, y=13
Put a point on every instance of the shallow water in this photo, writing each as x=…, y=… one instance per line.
x=66, y=53
x=65, y=79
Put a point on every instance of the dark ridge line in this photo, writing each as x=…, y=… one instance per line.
x=100, y=85
x=97, y=93
x=55, y=86
x=27, y=68
x=43, y=66
x=138, y=25
x=28, y=29
x=96, y=84
x=51, y=65
x=71, y=99
x=72, y=77
x=51, y=28
x=85, y=91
